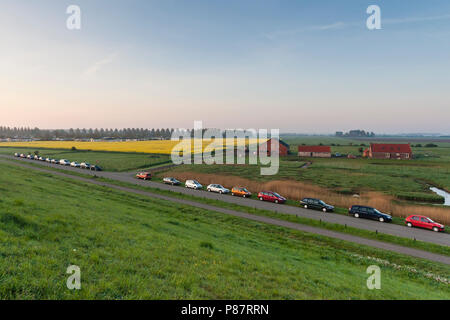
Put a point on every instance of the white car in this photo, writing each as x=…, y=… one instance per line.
x=22, y=155
x=192, y=184
x=217, y=188
x=36, y=157
x=48, y=160
x=75, y=164
x=16, y=155
x=85, y=165
x=54, y=161
x=41, y=159
x=30, y=157
x=64, y=162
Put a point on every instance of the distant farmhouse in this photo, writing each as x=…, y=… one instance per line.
x=388, y=151
x=283, y=147
x=355, y=134
x=314, y=151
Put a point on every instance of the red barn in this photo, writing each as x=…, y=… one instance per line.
x=390, y=151
x=283, y=147
x=314, y=151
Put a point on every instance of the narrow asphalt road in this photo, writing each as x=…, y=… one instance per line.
x=328, y=233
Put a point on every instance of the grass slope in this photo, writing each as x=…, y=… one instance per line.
x=130, y=246
x=110, y=161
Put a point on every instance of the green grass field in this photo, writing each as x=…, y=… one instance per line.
x=403, y=179
x=133, y=247
x=406, y=180
x=110, y=161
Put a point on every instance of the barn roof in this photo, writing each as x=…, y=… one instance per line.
x=314, y=149
x=391, y=148
x=280, y=141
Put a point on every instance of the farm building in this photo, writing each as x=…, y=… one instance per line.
x=389, y=151
x=314, y=151
x=283, y=147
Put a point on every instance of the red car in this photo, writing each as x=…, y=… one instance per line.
x=271, y=196
x=144, y=175
x=423, y=222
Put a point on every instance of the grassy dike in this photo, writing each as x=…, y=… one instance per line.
x=108, y=160
x=430, y=247
x=131, y=247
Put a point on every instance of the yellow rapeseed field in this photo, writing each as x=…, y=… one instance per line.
x=153, y=146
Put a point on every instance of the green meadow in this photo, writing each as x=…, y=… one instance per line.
x=406, y=180
x=134, y=247
x=110, y=161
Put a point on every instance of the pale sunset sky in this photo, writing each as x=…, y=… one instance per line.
x=299, y=66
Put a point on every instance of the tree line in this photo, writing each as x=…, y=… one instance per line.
x=126, y=133
x=47, y=134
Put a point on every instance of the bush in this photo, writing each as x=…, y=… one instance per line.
x=207, y=245
x=74, y=149
x=18, y=202
x=421, y=197
x=431, y=145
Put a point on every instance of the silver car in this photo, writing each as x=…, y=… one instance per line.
x=217, y=188
x=172, y=181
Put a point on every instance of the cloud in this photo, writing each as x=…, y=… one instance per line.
x=415, y=19
x=342, y=25
x=324, y=27
x=333, y=26
x=93, y=69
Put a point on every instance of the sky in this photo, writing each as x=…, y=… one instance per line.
x=294, y=65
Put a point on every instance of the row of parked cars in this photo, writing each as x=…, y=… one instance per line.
x=63, y=162
x=357, y=211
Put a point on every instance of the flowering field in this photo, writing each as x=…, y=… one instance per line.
x=156, y=146
x=153, y=146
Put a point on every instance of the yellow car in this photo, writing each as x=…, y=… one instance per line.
x=241, y=191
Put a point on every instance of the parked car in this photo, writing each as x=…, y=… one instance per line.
x=423, y=222
x=48, y=160
x=217, y=188
x=64, y=162
x=317, y=204
x=192, y=184
x=36, y=157
x=172, y=181
x=144, y=175
x=369, y=213
x=22, y=155
x=54, y=161
x=85, y=165
x=241, y=191
x=75, y=164
x=16, y=155
x=30, y=157
x=271, y=196
x=41, y=159
x=95, y=167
